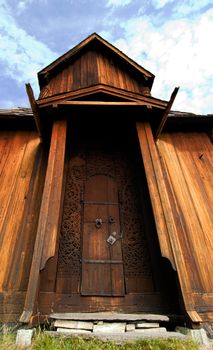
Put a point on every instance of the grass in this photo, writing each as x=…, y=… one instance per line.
x=42, y=341
x=7, y=341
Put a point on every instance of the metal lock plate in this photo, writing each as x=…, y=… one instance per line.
x=111, y=239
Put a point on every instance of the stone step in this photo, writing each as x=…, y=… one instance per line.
x=118, y=337
x=109, y=316
x=74, y=324
x=73, y=331
x=147, y=325
x=106, y=327
x=148, y=330
x=110, y=327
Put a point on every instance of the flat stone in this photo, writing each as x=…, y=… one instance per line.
x=24, y=337
x=73, y=331
x=74, y=324
x=130, y=327
x=148, y=330
x=147, y=325
x=109, y=328
x=109, y=316
x=200, y=336
x=120, y=337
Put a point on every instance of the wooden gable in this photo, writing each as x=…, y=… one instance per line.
x=95, y=74
x=94, y=61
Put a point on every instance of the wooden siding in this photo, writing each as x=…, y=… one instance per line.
x=90, y=68
x=21, y=177
x=49, y=218
x=187, y=160
x=157, y=190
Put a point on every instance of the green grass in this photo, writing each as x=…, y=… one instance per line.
x=44, y=342
x=7, y=341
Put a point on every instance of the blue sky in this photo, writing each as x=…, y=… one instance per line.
x=170, y=38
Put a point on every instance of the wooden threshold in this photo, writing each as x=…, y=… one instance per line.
x=131, y=303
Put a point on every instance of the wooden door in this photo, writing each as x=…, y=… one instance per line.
x=102, y=263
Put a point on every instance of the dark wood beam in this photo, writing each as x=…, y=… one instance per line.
x=104, y=104
x=100, y=103
x=35, y=109
x=166, y=113
x=100, y=88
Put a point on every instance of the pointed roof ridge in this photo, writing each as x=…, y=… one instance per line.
x=81, y=45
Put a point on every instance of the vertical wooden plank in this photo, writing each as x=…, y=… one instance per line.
x=164, y=197
x=99, y=72
x=18, y=272
x=154, y=177
x=181, y=155
x=97, y=253
x=53, y=191
x=15, y=182
x=49, y=219
x=5, y=143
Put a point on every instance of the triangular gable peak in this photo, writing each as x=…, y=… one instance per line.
x=93, y=62
x=96, y=74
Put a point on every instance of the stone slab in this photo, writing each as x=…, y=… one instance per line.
x=149, y=330
x=112, y=327
x=130, y=327
x=109, y=316
x=122, y=337
x=147, y=325
x=74, y=324
x=200, y=336
x=73, y=331
x=24, y=337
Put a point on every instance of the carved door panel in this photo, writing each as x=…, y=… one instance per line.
x=102, y=263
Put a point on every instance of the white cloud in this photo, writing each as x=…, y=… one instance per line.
x=160, y=3
x=23, y=4
x=22, y=55
x=179, y=54
x=185, y=7
x=182, y=7
x=118, y=3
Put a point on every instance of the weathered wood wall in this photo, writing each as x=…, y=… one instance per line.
x=187, y=160
x=90, y=68
x=22, y=170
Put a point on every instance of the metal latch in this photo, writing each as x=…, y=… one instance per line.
x=112, y=238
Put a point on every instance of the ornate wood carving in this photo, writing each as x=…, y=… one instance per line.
x=69, y=249
x=135, y=247
x=91, y=161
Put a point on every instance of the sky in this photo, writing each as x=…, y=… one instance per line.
x=170, y=38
